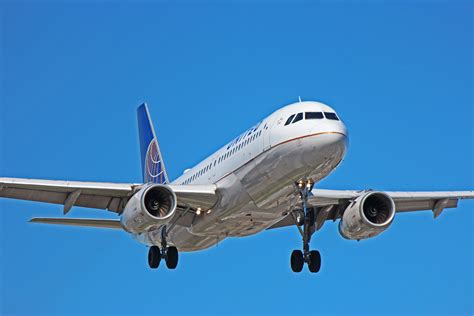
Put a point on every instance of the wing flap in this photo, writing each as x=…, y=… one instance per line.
x=82, y=222
x=419, y=205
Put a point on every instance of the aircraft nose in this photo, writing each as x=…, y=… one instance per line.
x=326, y=149
x=338, y=140
x=339, y=127
x=343, y=141
x=330, y=127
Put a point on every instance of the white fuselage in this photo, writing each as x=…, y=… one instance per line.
x=255, y=174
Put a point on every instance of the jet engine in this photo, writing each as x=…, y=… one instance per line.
x=151, y=206
x=369, y=215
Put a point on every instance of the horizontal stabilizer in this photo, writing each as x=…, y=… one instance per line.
x=84, y=222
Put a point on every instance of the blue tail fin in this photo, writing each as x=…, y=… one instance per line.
x=153, y=168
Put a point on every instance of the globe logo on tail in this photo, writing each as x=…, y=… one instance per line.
x=153, y=169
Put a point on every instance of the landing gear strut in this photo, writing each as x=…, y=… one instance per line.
x=313, y=257
x=169, y=253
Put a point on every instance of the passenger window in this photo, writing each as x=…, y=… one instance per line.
x=298, y=117
x=331, y=116
x=288, y=121
x=313, y=115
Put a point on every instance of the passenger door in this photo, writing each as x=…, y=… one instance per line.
x=267, y=128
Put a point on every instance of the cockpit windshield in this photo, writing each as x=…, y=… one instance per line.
x=298, y=117
x=288, y=121
x=331, y=116
x=311, y=116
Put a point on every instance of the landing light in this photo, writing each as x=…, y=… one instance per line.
x=209, y=211
x=198, y=211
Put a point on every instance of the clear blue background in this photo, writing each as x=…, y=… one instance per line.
x=399, y=75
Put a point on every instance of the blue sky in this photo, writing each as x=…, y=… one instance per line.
x=399, y=75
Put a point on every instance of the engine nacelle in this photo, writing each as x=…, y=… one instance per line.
x=369, y=215
x=153, y=205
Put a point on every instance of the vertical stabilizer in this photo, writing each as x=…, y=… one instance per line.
x=153, y=167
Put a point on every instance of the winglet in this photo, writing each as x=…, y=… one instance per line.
x=153, y=167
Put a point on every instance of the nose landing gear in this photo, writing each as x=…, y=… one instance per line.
x=313, y=257
x=169, y=253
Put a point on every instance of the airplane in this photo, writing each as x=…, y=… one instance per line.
x=263, y=179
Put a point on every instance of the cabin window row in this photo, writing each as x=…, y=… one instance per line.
x=223, y=157
x=311, y=116
x=238, y=147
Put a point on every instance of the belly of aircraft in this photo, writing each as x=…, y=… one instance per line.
x=255, y=196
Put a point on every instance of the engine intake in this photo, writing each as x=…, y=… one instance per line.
x=151, y=206
x=369, y=215
x=377, y=208
x=159, y=201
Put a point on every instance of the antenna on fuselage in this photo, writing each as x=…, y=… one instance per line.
x=299, y=98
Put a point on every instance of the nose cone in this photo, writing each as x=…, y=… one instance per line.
x=328, y=126
x=338, y=127
x=326, y=149
x=342, y=143
x=335, y=144
x=340, y=139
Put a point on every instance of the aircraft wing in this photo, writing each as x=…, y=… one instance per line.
x=332, y=203
x=100, y=195
x=404, y=201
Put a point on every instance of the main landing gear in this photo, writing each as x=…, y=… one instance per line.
x=169, y=253
x=313, y=257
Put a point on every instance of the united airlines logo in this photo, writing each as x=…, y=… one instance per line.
x=247, y=133
x=153, y=168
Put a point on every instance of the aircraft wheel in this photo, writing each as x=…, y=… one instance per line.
x=172, y=257
x=154, y=257
x=297, y=261
x=314, y=263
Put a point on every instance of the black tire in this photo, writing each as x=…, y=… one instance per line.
x=297, y=261
x=314, y=263
x=172, y=257
x=154, y=257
